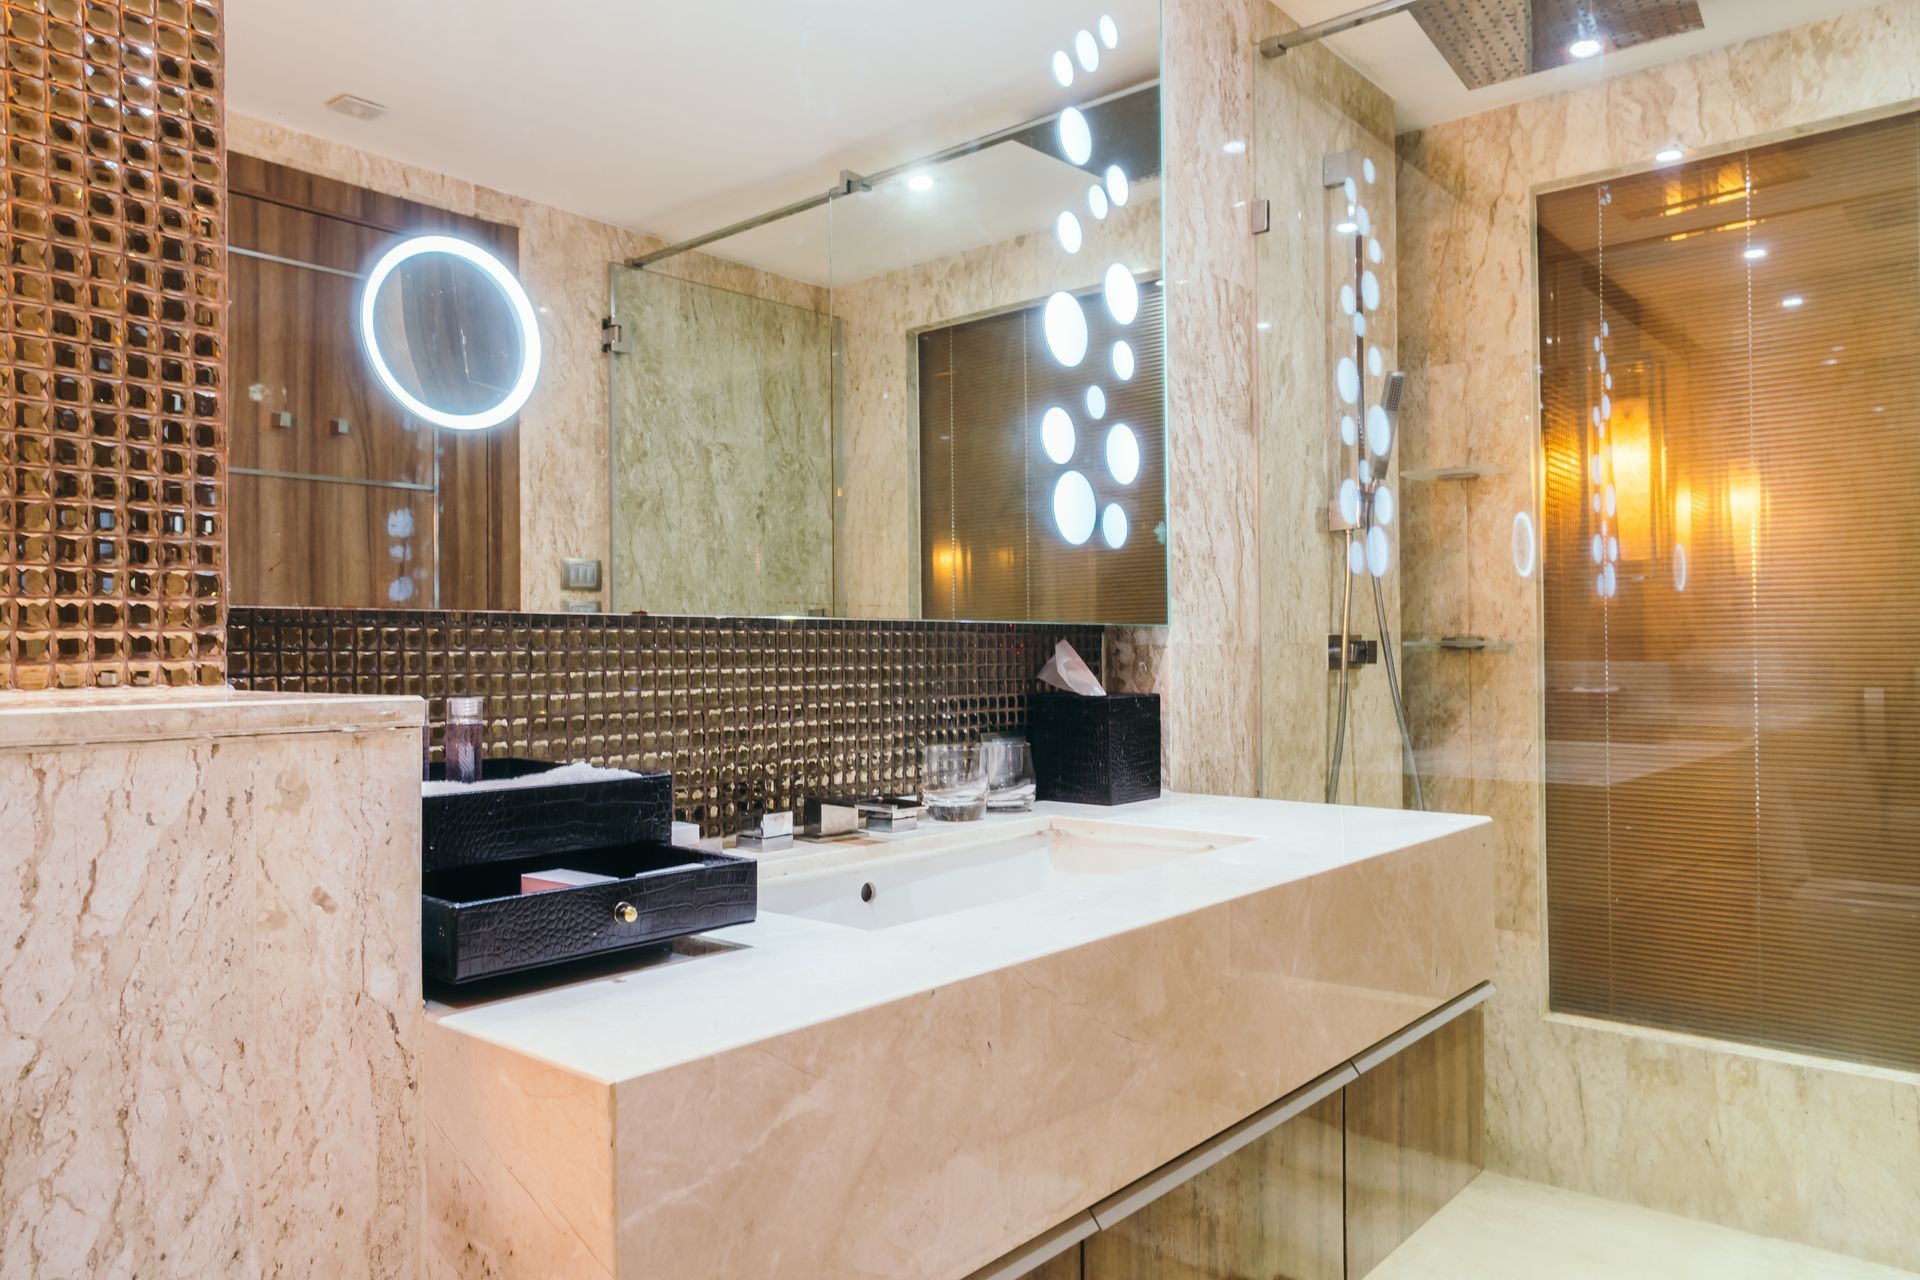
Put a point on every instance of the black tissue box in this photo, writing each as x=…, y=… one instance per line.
x=1095, y=750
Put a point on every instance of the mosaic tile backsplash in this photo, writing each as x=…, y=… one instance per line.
x=112, y=333
x=750, y=714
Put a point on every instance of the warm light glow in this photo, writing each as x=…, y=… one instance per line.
x=1632, y=458
x=1793, y=302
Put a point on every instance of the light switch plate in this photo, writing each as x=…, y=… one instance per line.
x=580, y=575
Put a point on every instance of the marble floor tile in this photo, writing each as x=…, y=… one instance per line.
x=1505, y=1229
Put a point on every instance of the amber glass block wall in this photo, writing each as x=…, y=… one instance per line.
x=1731, y=412
x=112, y=444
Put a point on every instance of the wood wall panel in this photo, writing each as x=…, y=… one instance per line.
x=1415, y=1131
x=299, y=353
x=1270, y=1210
x=1064, y=1267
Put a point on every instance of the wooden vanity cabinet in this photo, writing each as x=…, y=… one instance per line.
x=1328, y=1194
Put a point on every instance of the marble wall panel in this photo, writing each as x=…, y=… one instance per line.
x=722, y=452
x=1822, y=1153
x=210, y=1020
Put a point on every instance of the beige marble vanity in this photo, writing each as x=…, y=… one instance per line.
x=811, y=1095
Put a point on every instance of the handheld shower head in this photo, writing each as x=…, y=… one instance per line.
x=1396, y=382
x=1383, y=420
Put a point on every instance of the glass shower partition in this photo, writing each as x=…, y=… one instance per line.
x=721, y=440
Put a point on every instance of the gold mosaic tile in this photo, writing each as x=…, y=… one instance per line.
x=750, y=714
x=112, y=344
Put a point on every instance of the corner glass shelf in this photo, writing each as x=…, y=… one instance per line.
x=1450, y=473
x=1455, y=644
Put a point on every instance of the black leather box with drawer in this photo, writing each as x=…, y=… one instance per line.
x=475, y=922
x=1096, y=750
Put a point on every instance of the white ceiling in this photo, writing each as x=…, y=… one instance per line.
x=978, y=199
x=1396, y=55
x=667, y=116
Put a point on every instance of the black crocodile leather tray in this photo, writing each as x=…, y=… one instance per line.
x=475, y=923
x=1095, y=750
x=523, y=822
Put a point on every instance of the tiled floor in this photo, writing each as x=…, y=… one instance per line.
x=1503, y=1229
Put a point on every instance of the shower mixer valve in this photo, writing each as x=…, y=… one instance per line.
x=1361, y=652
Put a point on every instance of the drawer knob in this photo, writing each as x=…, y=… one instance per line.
x=625, y=912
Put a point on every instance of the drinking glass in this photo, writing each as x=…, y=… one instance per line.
x=1009, y=774
x=953, y=781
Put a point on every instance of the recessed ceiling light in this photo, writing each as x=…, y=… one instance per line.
x=1585, y=47
x=1793, y=302
x=1670, y=155
x=359, y=108
x=920, y=182
x=1755, y=252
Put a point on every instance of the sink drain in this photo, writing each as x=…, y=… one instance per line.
x=866, y=892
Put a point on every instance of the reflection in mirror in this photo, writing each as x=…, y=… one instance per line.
x=450, y=333
x=800, y=341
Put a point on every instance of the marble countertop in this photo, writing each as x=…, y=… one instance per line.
x=73, y=716
x=783, y=973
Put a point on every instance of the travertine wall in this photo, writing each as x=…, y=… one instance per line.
x=1822, y=1153
x=1205, y=663
x=210, y=1016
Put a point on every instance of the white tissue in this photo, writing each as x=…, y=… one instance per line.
x=1065, y=670
x=578, y=771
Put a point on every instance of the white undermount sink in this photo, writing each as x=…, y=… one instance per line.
x=896, y=889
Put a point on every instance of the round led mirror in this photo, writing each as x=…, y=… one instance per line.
x=450, y=333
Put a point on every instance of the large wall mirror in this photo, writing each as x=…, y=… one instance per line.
x=845, y=311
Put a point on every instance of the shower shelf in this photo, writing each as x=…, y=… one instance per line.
x=1450, y=473
x=1458, y=644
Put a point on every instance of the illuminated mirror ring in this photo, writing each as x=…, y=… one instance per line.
x=517, y=302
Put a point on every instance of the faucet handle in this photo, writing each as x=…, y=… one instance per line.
x=767, y=833
x=827, y=818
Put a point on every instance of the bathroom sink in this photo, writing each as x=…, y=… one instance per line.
x=899, y=889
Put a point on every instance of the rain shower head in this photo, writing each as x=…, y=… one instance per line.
x=1390, y=399
x=1488, y=41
